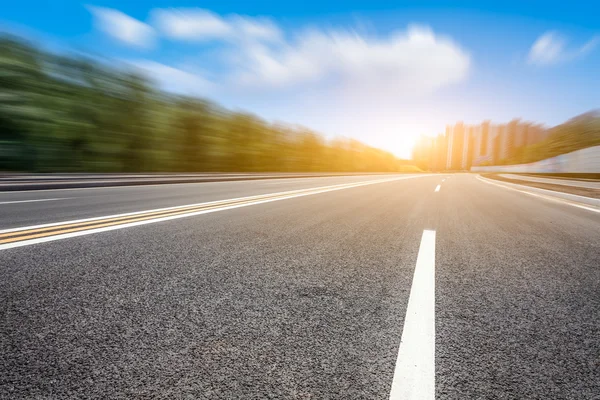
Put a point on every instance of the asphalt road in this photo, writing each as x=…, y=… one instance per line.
x=20, y=208
x=299, y=295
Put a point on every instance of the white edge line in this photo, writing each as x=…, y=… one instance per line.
x=414, y=373
x=33, y=201
x=551, y=198
x=168, y=218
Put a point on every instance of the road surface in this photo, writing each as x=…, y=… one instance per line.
x=412, y=287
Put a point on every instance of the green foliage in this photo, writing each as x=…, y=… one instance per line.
x=70, y=114
x=575, y=134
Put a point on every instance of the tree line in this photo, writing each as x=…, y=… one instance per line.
x=575, y=134
x=72, y=113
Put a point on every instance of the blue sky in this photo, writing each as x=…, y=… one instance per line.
x=380, y=71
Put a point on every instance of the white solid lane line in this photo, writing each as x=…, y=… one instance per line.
x=252, y=200
x=437, y=188
x=215, y=202
x=414, y=375
x=32, y=201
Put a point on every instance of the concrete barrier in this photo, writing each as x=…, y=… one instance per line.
x=584, y=161
x=549, y=194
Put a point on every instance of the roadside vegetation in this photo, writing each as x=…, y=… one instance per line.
x=71, y=113
x=576, y=134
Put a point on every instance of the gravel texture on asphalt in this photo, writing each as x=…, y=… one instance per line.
x=518, y=299
x=305, y=298
x=302, y=298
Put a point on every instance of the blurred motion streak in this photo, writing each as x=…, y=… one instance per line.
x=472, y=147
x=64, y=113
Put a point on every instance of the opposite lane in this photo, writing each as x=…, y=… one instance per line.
x=97, y=202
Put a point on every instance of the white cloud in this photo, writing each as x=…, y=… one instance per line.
x=551, y=48
x=589, y=45
x=195, y=24
x=256, y=28
x=256, y=55
x=173, y=79
x=123, y=27
x=547, y=49
x=414, y=61
x=191, y=24
x=338, y=64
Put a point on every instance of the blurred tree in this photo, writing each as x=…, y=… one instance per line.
x=577, y=133
x=71, y=113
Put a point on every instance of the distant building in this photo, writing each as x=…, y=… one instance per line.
x=497, y=138
x=455, y=137
x=449, y=144
x=463, y=146
x=469, y=147
x=482, y=144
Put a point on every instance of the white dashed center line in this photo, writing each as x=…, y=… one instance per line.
x=437, y=188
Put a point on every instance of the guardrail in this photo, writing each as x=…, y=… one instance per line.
x=584, y=161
